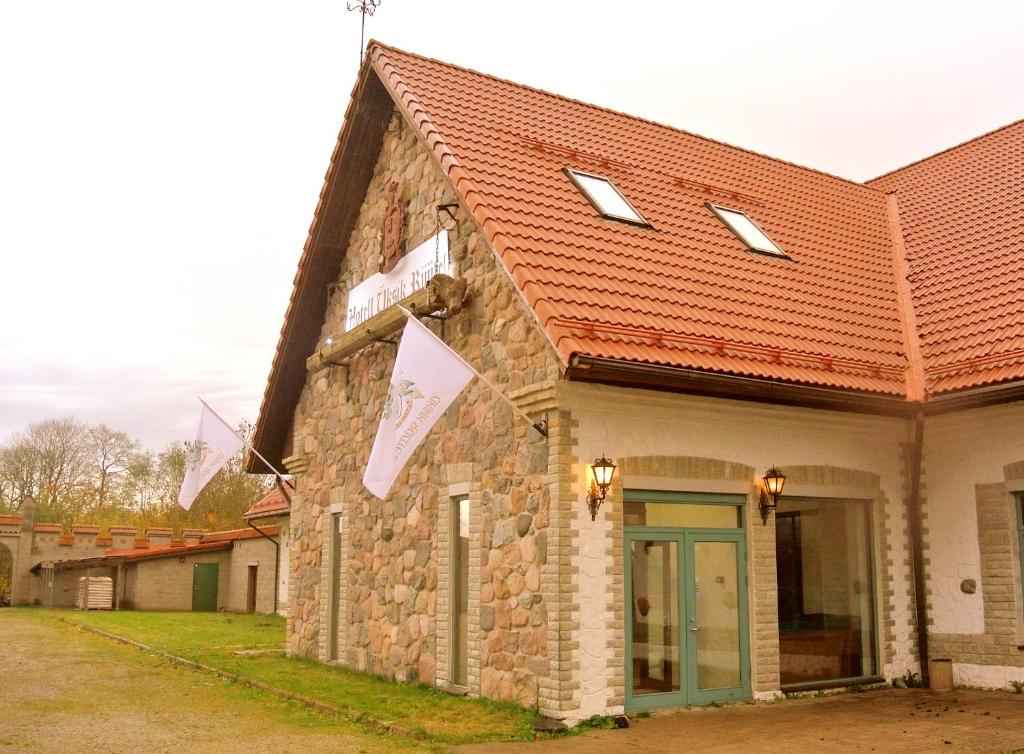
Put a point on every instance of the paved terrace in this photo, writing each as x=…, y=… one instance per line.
x=893, y=720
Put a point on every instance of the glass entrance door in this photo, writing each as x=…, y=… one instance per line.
x=686, y=623
x=717, y=617
x=654, y=637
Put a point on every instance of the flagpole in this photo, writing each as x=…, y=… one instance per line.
x=536, y=425
x=255, y=452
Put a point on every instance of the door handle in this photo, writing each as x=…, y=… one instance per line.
x=693, y=625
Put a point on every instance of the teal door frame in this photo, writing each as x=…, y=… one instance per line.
x=696, y=695
x=686, y=644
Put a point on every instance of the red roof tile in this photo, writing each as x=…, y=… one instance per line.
x=878, y=297
x=273, y=503
x=10, y=520
x=686, y=293
x=213, y=541
x=962, y=213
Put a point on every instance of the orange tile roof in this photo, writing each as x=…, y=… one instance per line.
x=273, y=503
x=213, y=541
x=685, y=293
x=962, y=213
x=10, y=520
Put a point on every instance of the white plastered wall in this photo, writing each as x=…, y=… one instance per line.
x=963, y=450
x=620, y=422
x=960, y=451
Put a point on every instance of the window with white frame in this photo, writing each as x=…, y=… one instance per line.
x=747, y=230
x=605, y=197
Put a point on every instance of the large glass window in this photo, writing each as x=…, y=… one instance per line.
x=826, y=590
x=460, y=591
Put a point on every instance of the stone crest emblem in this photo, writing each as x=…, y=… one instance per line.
x=392, y=228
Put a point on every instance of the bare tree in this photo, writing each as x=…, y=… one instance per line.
x=49, y=461
x=112, y=454
x=99, y=475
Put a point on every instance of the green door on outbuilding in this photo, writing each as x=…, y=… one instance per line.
x=204, y=587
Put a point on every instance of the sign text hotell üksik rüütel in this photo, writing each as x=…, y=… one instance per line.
x=413, y=272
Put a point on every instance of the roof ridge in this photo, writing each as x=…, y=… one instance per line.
x=964, y=143
x=848, y=181
x=915, y=381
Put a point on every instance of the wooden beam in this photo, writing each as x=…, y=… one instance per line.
x=436, y=297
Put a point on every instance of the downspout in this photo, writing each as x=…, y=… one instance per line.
x=916, y=393
x=277, y=557
x=914, y=517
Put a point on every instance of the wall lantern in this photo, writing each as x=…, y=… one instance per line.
x=771, y=490
x=602, y=472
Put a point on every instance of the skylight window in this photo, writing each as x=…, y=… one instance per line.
x=747, y=230
x=607, y=199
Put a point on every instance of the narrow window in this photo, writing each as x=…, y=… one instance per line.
x=336, y=575
x=747, y=230
x=1019, y=505
x=607, y=199
x=460, y=591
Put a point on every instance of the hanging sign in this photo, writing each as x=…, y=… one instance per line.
x=410, y=274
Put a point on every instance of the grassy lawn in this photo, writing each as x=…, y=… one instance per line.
x=213, y=638
x=64, y=691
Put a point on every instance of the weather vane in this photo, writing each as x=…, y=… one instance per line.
x=365, y=8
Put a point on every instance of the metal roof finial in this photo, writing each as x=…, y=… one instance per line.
x=365, y=8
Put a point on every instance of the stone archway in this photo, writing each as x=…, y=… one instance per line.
x=6, y=574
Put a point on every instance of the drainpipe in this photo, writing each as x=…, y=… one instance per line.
x=914, y=516
x=277, y=557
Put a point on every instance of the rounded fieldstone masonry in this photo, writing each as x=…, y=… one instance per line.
x=389, y=581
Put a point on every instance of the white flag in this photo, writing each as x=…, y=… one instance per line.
x=428, y=376
x=216, y=444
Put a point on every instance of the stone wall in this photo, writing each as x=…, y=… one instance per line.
x=394, y=556
x=166, y=583
x=32, y=543
x=261, y=553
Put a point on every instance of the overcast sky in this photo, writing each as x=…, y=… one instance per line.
x=160, y=161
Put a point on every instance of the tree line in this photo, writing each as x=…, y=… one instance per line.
x=92, y=474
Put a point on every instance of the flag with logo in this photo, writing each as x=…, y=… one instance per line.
x=216, y=444
x=428, y=376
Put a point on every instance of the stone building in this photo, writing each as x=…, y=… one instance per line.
x=274, y=509
x=697, y=313
x=229, y=570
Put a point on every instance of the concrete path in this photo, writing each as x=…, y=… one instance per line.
x=893, y=720
x=62, y=690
